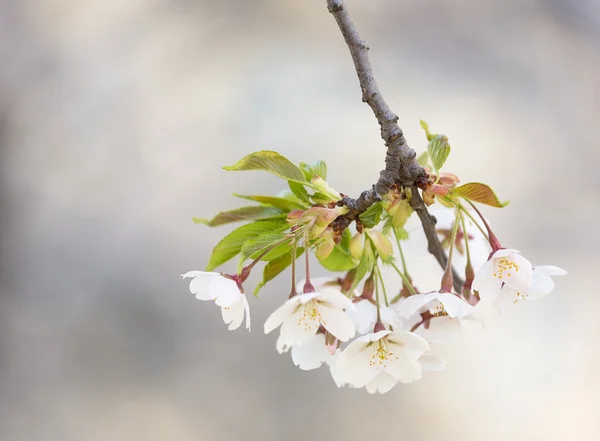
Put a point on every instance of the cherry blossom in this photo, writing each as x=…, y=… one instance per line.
x=225, y=292
x=541, y=285
x=301, y=316
x=393, y=356
x=505, y=267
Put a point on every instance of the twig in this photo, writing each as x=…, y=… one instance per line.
x=400, y=165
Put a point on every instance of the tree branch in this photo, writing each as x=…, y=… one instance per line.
x=401, y=166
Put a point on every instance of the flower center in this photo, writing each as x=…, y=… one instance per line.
x=439, y=309
x=311, y=316
x=504, y=267
x=520, y=296
x=381, y=356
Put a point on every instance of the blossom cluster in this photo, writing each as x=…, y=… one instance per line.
x=350, y=321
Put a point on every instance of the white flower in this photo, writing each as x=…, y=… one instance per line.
x=364, y=316
x=393, y=356
x=541, y=285
x=384, y=381
x=310, y=355
x=301, y=316
x=437, y=303
x=506, y=267
x=226, y=294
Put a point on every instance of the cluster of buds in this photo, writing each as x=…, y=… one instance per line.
x=369, y=332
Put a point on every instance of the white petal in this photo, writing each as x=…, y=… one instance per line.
x=224, y=290
x=200, y=283
x=482, y=274
x=382, y=383
x=337, y=322
x=247, y=311
x=409, y=343
x=414, y=304
x=550, y=270
x=519, y=279
x=334, y=371
x=282, y=346
x=281, y=314
x=304, y=298
x=389, y=317
x=300, y=327
x=405, y=370
x=364, y=315
x=334, y=298
x=440, y=330
x=505, y=252
x=312, y=354
x=432, y=362
x=454, y=305
x=233, y=315
x=354, y=365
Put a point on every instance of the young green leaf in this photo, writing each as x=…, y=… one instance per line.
x=275, y=267
x=231, y=245
x=423, y=158
x=372, y=215
x=425, y=127
x=318, y=168
x=255, y=212
x=438, y=149
x=478, y=192
x=253, y=247
x=299, y=191
x=272, y=162
x=281, y=203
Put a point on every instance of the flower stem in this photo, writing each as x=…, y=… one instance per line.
x=465, y=211
x=385, y=297
x=494, y=242
x=404, y=279
x=308, y=287
x=447, y=280
x=294, y=250
x=401, y=253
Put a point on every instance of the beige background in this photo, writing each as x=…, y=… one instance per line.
x=115, y=117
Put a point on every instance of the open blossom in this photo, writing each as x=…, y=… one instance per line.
x=541, y=285
x=310, y=355
x=392, y=355
x=505, y=266
x=364, y=316
x=225, y=292
x=301, y=316
x=384, y=382
x=437, y=303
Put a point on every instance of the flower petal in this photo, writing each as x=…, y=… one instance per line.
x=247, y=311
x=409, y=343
x=337, y=322
x=200, y=284
x=334, y=298
x=481, y=275
x=432, y=362
x=414, y=304
x=312, y=354
x=363, y=315
x=300, y=327
x=282, y=346
x=405, y=370
x=454, y=305
x=233, y=315
x=281, y=314
x=440, y=330
x=225, y=291
x=549, y=270
x=382, y=383
x=519, y=279
x=354, y=364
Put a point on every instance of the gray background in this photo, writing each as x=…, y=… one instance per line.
x=115, y=118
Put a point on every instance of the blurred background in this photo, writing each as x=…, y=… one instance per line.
x=115, y=120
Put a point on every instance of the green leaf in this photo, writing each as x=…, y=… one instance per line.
x=438, y=149
x=272, y=162
x=231, y=245
x=255, y=212
x=318, y=168
x=282, y=203
x=372, y=215
x=340, y=258
x=423, y=158
x=478, y=192
x=299, y=191
x=253, y=247
x=275, y=267
x=367, y=262
x=425, y=127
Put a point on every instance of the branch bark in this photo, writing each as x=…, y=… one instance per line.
x=401, y=166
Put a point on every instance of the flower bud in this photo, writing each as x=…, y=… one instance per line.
x=325, y=193
x=356, y=246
